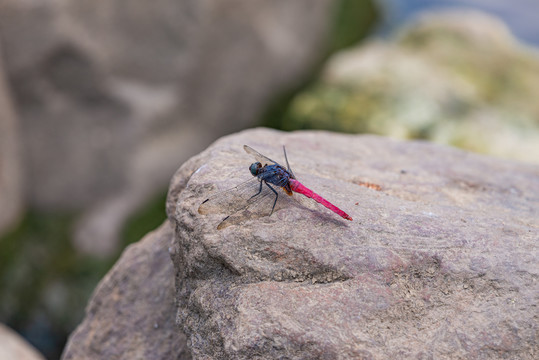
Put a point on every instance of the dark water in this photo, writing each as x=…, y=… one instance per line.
x=522, y=16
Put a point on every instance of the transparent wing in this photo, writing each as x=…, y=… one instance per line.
x=264, y=160
x=287, y=164
x=230, y=200
x=256, y=207
x=244, y=201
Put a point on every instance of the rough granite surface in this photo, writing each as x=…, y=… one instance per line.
x=131, y=314
x=441, y=260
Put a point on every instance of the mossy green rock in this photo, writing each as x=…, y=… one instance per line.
x=454, y=78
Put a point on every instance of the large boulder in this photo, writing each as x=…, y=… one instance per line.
x=114, y=96
x=440, y=261
x=131, y=314
x=11, y=188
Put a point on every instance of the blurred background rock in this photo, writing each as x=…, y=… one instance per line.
x=456, y=78
x=100, y=102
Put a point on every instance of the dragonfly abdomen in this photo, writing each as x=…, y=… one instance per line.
x=298, y=187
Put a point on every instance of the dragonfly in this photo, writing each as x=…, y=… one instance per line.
x=270, y=181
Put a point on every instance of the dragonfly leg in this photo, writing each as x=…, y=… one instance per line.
x=276, y=197
x=259, y=191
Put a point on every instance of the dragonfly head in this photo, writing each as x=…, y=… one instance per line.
x=255, y=168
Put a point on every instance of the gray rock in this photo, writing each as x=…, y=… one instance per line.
x=130, y=92
x=131, y=314
x=11, y=188
x=440, y=262
x=12, y=346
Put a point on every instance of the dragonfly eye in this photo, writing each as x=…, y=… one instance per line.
x=254, y=168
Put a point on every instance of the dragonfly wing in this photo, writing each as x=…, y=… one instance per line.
x=264, y=160
x=287, y=164
x=230, y=200
x=256, y=207
x=249, y=200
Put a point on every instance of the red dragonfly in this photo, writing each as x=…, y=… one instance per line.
x=270, y=178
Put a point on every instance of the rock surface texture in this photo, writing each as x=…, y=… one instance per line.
x=441, y=260
x=131, y=314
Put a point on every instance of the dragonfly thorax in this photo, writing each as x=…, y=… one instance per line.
x=255, y=168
